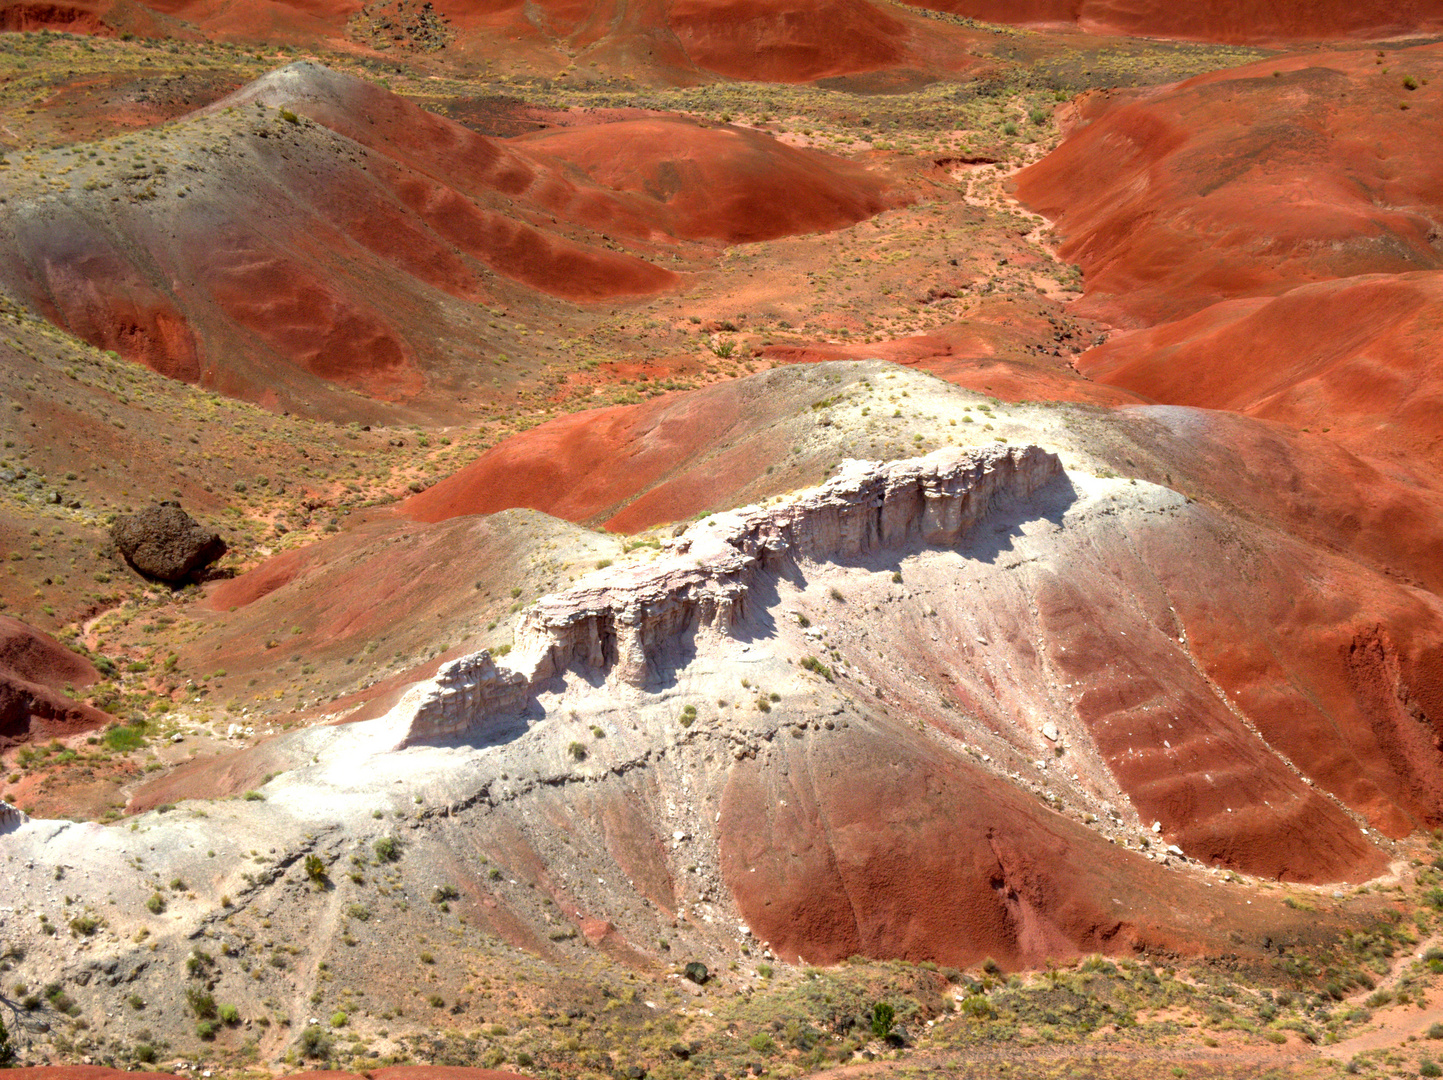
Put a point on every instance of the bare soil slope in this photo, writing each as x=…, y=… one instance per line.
x=38, y=675
x=1248, y=182
x=1356, y=358
x=1213, y=20
x=733, y=185
x=314, y=237
x=794, y=41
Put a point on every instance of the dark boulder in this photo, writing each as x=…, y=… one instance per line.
x=166, y=543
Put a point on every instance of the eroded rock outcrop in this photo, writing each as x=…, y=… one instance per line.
x=627, y=620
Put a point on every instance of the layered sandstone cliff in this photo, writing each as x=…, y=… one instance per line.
x=624, y=620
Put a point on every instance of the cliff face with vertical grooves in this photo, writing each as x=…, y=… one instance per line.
x=623, y=620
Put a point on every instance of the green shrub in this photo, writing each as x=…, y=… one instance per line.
x=206, y=1030
x=338, y=1019
x=156, y=904
x=816, y=667
x=388, y=849
x=290, y=117
x=762, y=1043
x=883, y=1017
x=316, y=869
x=123, y=739
x=201, y=1002
x=978, y=1007
x=314, y=1043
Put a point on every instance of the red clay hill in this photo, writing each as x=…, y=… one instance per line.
x=1249, y=182
x=1213, y=20
x=37, y=675
x=1271, y=232
x=315, y=234
x=727, y=184
x=681, y=41
x=1354, y=358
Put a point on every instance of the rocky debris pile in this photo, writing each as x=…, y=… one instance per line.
x=402, y=24
x=34, y=487
x=165, y=543
x=628, y=620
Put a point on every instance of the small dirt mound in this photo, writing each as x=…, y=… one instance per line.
x=26, y=653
